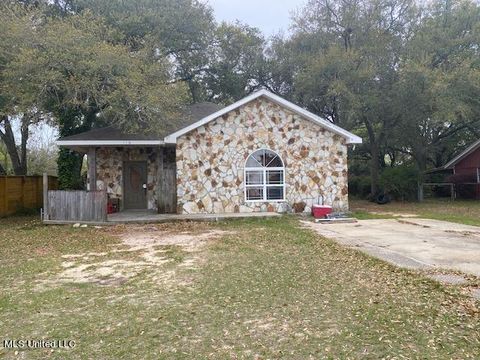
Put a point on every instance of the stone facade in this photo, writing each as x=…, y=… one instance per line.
x=211, y=160
x=109, y=170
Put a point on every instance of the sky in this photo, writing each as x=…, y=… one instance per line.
x=270, y=16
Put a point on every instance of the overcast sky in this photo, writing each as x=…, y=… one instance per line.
x=270, y=16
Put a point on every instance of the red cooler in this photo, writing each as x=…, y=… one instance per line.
x=321, y=211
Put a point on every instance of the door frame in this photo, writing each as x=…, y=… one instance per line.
x=124, y=187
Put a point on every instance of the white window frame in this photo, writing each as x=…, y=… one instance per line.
x=264, y=185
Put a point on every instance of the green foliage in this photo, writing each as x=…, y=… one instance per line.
x=408, y=83
x=76, y=69
x=404, y=75
x=401, y=182
x=235, y=62
x=359, y=185
x=217, y=62
x=69, y=168
x=84, y=74
x=440, y=83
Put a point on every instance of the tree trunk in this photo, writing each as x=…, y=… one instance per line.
x=19, y=160
x=420, y=156
x=374, y=169
x=374, y=161
x=19, y=168
x=26, y=121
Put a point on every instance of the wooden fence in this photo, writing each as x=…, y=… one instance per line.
x=75, y=206
x=22, y=192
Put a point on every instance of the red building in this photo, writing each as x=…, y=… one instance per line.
x=466, y=172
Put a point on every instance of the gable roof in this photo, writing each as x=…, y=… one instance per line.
x=193, y=117
x=111, y=135
x=351, y=138
x=462, y=155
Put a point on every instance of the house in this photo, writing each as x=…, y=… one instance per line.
x=262, y=153
x=466, y=171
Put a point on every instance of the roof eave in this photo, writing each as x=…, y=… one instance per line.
x=68, y=143
x=462, y=155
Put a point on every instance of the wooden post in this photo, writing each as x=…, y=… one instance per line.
x=160, y=181
x=92, y=169
x=3, y=196
x=22, y=196
x=105, y=205
x=45, y=196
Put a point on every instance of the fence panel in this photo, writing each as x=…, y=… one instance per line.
x=76, y=205
x=22, y=192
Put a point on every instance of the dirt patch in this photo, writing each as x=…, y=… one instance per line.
x=157, y=252
x=153, y=238
x=393, y=214
x=413, y=223
x=464, y=233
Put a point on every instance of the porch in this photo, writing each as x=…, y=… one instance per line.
x=135, y=177
x=136, y=216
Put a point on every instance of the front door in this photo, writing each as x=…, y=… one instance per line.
x=135, y=184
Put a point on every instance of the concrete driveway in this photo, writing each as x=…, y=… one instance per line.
x=411, y=243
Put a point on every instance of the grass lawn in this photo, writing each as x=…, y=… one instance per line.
x=459, y=211
x=258, y=288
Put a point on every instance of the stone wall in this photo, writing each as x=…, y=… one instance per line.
x=211, y=158
x=110, y=168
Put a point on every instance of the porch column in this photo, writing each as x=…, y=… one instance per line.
x=160, y=181
x=92, y=169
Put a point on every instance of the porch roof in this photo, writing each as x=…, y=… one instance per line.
x=112, y=136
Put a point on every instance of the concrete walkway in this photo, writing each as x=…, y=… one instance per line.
x=411, y=243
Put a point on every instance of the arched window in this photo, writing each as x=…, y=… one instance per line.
x=264, y=177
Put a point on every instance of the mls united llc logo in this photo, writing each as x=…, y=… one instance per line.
x=38, y=344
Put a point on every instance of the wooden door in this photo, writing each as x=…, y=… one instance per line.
x=135, y=184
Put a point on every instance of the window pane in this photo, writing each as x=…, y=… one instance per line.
x=275, y=162
x=254, y=177
x=275, y=193
x=255, y=193
x=252, y=162
x=269, y=157
x=262, y=158
x=256, y=159
x=274, y=176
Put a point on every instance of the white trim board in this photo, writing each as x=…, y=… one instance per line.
x=462, y=155
x=351, y=138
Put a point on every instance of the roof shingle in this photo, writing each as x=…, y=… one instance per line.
x=190, y=115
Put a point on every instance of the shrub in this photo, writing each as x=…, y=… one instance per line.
x=359, y=185
x=401, y=182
